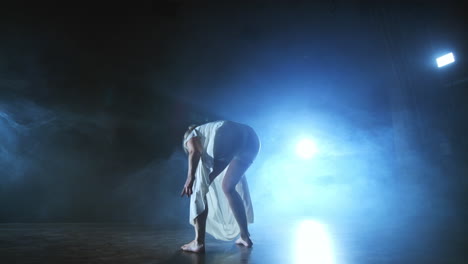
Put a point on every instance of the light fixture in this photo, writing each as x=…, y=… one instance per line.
x=445, y=60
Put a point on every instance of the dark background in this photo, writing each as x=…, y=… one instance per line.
x=94, y=100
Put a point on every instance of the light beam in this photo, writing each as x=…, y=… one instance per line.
x=306, y=148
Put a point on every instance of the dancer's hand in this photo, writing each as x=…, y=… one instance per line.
x=187, y=187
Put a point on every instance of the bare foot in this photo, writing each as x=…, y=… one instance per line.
x=244, y=242
x=193, y=247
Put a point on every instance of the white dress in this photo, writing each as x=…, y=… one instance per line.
x=220, y=223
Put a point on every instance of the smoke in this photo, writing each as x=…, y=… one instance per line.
x=154, y=192
x=357, y=175
x=18, y=121
x=59, y=165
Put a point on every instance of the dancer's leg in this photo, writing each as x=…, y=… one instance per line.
x=198, y=244
x=200, y=226
x=233, y=175
x=218, y=167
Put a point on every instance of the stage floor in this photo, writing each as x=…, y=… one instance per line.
x=293, y=242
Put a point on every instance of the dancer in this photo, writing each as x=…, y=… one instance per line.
x=219, y=153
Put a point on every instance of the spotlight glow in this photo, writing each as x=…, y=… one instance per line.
x=313, y=244
x=446, y=59
x=306, y=148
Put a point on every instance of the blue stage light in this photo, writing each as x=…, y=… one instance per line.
x=445, y=60
x=306, y=148
x=313, y=244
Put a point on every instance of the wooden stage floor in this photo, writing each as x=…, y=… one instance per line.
x=300, y=242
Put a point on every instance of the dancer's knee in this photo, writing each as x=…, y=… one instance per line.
x=229, y=189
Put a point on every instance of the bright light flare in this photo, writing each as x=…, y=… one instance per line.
x=306, y=148
x=313, y=244
x=445, y=60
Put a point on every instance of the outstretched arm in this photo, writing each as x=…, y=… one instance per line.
x=194, y=154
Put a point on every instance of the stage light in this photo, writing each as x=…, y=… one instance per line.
x=313, y=244
x=306, y=148
x=445, y=60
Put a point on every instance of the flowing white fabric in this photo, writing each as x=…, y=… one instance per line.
x=220, y=223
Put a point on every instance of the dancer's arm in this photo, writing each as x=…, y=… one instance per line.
x=194, y=153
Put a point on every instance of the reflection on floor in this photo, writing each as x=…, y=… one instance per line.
x=297, y=242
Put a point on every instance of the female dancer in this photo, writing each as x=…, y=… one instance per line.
x=219, y=153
